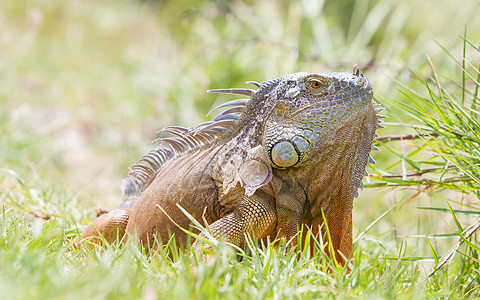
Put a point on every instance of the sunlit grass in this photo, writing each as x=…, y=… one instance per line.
x=447, y=122
x=84, y=86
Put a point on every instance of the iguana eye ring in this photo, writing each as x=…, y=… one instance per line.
x=315, y=83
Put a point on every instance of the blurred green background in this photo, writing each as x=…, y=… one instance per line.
x=85, y=85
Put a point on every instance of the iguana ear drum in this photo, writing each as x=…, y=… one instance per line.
x=284, y=154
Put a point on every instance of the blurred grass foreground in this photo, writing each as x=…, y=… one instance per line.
x=84, y=86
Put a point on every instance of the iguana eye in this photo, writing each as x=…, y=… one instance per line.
x=315, y=83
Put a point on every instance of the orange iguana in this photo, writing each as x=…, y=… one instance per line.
x=270, y=163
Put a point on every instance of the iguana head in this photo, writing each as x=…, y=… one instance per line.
x=292, y=121
x=309, y=109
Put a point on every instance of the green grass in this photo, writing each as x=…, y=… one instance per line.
x=84, y=86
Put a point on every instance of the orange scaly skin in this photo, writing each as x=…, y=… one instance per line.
x=269, y=164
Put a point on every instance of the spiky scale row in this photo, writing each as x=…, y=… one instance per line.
x=237, y=102
x=212, y=125
x=254, y=83
x=244, y=92
x=269, y=82
x=186, y=139
x=378, y=108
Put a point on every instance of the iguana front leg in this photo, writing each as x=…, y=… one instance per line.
x=110, y=225
x=255, y=215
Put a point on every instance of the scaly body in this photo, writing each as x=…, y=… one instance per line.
x=296, y=147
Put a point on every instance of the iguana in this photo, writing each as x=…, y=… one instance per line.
x=295, y=147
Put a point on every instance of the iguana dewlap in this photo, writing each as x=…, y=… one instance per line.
x=268, y=164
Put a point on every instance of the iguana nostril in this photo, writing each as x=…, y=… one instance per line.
x=284, y=155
